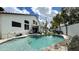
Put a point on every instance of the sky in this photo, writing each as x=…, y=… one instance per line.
x=43, y=13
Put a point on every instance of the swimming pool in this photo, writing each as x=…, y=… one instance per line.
x=31, y=43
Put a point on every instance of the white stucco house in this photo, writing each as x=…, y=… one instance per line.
x=15, y=23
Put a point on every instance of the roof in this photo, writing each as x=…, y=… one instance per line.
x=3, y=12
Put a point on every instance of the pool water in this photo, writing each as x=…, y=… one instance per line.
x=33, y=42
x=39, y=42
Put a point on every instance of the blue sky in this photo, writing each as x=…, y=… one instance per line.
x=56, y=8
x=29, y=9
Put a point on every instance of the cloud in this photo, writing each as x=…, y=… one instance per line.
x=34, y=9
x=46, y=13
x=25, y=11
x=43, y=10
x=12, y=9
x=55, y=11
x=15, y=10
x=49, y=10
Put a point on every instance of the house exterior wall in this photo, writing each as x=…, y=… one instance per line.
x=42, y=25
x=42, y=29
x=6, y=24
x=0, y=27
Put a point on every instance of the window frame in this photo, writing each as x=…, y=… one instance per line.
x=16, y=24
x=26, y=25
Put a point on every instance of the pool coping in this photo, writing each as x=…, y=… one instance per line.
x=8, y=39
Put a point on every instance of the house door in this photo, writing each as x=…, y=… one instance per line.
x=35, y=29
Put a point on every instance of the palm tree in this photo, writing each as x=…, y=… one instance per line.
x=65, y=19
x=57, y=20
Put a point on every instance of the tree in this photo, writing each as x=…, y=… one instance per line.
x=57, y=21
x=73, y=14
x=70, y=15
x=1, y=9
x=61, y=18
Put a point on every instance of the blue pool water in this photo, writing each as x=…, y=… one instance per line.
x=33, y=42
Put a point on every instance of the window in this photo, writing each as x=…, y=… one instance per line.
x=27, y=22
x=16, y=24
x=34, y=22
x=26, y=25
